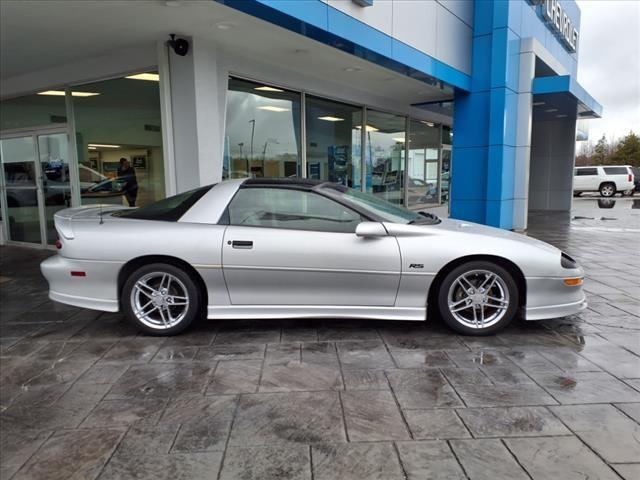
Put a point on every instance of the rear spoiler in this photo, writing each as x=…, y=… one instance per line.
x=63, y=219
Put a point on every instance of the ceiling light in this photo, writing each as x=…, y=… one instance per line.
x=369, y=128
x=428, y=124
x=329, y=118
x=61, y=93
x=561, y=115
x=102, y=145
x=153, y=77
x=266, y=88
x=536, y=104
x=399, y=139
x=93, y=148
x=551, y=110
x=225, y=25
x=273, y=108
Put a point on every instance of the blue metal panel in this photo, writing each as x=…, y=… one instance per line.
x=471, y=115
x=481, y=79
x=472, y=183
x=318, y=20
x=566, y=85
x=312, y=12
x=345, y=26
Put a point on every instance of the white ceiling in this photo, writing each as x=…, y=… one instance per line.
x=39, y=34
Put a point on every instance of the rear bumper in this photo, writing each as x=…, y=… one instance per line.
x=551, y=298
x=97, y=290
x=84, y=302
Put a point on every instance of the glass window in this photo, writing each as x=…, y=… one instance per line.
x=119, y=140
x=333, y=141
x=384, y=155
x=33, y=110
x=170, y=209
x=447, y=135
x=423, y=164
x=292, y=209
x=262, y=136
x=375, y=207
x=616, y=170
x=581, y=172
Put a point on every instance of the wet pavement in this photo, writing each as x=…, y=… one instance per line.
x=83, y=395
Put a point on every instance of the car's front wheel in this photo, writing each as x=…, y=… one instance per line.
x=161, y=299
x=478, y=298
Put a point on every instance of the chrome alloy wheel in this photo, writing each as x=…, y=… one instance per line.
x=159, y=300
x=608, y=191
x=478, y=299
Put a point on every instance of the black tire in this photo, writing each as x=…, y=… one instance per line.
x=607, y=189
x=507, y=283
x=182, y=283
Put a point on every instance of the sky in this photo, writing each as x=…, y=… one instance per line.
x=609, y=64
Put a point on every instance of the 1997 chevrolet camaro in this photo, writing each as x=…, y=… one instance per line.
x=278, y=248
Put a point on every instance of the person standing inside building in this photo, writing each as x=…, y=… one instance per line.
x=127, y=174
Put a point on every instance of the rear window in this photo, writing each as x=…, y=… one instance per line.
x=168, y=210
x=616, y=170
x=586, y=171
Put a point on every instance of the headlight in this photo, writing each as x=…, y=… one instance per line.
x=568, y=262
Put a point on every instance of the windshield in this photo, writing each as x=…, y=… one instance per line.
x=377, y=208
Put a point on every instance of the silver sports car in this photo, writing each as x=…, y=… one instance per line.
x=276, y=248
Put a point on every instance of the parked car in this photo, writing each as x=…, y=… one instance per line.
x=608, y=180
x=636, y=179
x=282, y=248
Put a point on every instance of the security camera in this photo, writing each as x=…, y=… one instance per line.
x=179, y=45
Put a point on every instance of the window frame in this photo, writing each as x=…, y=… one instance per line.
x=225, y=218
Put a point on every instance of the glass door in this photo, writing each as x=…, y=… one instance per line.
x=34, y=185
x=53, y=153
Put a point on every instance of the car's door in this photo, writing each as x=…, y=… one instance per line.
x=585, y=179
x=287, y=246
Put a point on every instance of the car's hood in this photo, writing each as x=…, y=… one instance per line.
x=468, y=229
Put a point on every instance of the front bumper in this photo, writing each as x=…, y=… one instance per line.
x=551, y=298
x=97, y=290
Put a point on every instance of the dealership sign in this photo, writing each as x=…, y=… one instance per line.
x=558, y=21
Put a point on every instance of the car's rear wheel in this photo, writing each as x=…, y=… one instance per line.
x=478, y=298
x=160, y=299
x=607, y=189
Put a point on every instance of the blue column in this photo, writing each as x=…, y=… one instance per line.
x=485, y=120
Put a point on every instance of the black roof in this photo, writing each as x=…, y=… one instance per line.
x=292, y=182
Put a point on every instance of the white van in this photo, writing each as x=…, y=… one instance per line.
x=608, y=180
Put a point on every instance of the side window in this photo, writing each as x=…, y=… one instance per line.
x=616, y=170
x=586, y=171
x=292, y=209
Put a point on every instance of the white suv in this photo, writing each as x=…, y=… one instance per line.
x=604, y=179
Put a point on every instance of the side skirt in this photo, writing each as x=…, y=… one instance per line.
x=314, y=311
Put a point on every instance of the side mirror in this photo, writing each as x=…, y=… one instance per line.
x=371, y=229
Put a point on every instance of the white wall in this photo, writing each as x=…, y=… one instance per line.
x=439, y=28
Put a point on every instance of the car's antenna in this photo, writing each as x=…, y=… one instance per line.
x=101, y=221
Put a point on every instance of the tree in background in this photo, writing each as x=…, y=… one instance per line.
x=627, y=151
x=600, y=152
x=615, y=152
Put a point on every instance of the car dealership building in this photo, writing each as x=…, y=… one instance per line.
x=466, y=105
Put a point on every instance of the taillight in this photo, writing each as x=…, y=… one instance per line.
x=58, y=244
x=630, y=178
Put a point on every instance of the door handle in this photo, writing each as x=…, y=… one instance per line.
x=246, y=244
